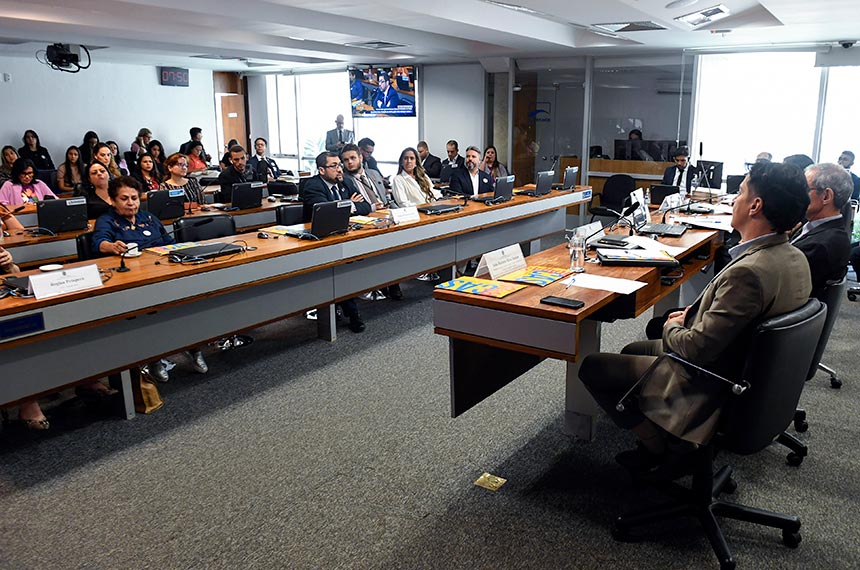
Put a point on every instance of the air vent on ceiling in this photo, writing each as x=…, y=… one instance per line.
x=217, y=57
x=705, y=16
x=13, y=41
x=375, y=45
x=621, y=27
x=258, y=64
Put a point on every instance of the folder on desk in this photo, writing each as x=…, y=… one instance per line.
x=477, y=286
x=540, y=275
x=636, y=257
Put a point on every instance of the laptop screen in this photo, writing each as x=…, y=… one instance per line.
x=544, y=182
x=570, y=177
x=641, y=215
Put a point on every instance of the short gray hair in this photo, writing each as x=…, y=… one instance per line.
x=476, y=149
x=833, y=176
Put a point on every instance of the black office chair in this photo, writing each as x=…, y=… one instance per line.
x=130, y=160
x=84, y=247
x=222, y=225
x=616, y=190
x=780, y=353
x=281, y=187
x=290, y=214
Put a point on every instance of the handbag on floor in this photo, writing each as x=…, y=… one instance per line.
x=146, y=396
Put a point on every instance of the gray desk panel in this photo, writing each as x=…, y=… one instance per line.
x=44, y=250
x=28, y=220
x=59, y=360
x=479, y=242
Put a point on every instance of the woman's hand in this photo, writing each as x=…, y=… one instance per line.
x=115, y=247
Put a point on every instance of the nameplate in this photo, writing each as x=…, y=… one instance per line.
x=501, y=262
x=55, y=283
x=404, y=215
x=176, y=193
x=582, y=195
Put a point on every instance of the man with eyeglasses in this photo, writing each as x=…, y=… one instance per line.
x=682, y=173
x=239, y=171
x=328, y=186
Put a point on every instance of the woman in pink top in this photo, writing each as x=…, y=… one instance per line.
x=24, y=188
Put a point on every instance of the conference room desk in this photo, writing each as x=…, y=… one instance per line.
x=494, y=341
x=29, y=250
x=158, y=308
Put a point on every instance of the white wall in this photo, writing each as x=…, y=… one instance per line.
x=453, y=106
x=114, y=100
x=258, y=108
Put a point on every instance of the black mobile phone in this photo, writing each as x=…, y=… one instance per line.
x=562, y=302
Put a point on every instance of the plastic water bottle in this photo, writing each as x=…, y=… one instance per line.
x=577, y=253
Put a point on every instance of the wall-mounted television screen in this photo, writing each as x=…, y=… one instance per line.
x=382, y=91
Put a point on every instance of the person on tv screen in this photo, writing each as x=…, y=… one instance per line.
x=356, y=89
x=386, y=97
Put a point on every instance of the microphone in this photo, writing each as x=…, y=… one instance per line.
x=680, y=206
x=599, y=209
x=122, y=266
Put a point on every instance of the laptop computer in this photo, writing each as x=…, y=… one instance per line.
x=62, y=215
x=569, y=180
x=440, y=208
x=660, y=191
x=247, y=195
x=203, y=252
x=543, y=184
x=165, y=204
x=327, y=218
x=503, y=192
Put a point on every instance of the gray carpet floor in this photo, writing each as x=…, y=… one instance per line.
x=296, y=453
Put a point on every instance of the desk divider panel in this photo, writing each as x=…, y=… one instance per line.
x=476, y=243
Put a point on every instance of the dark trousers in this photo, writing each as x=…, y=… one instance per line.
x=608, y=377
x=350, y=308
x=854, y=259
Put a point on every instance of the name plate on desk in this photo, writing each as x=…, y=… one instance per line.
x=404, y=215
x=65, y=281
x=501, y=262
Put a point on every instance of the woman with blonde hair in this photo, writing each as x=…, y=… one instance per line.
x=412, y=186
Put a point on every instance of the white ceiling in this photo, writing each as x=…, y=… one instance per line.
x=296, y=34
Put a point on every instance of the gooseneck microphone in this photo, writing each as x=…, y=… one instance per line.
x=682, y=206
x=123, y=268
x=603, y=211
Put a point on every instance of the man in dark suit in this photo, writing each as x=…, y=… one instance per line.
x=328, y=186
x=386, y=97
x=365, y=147
x=682, y=174
x=669, y=410
x=451, y=163
x=432, y=164
x=823, y=239
x=261, y=163
x=846, y=161
x=470, y=180
x=239, y=171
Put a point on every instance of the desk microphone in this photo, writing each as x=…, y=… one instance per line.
x=681, y=206
x=599, y=211
x=122, y=266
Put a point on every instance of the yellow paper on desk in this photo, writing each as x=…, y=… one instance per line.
x=282, y=230
x=363, y=220
x=165, y=249
x=477, y=286
x=540, y=275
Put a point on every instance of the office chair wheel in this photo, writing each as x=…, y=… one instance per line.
x=791, y=539
x=794, y=459
x=835, y=383
x=728, y=564
x=852, y=295
x=730, y=487
x=800, y=425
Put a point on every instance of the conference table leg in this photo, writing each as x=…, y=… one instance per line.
x=580, y=414
x=534, y=246
x=326, y=325
x=127, y=396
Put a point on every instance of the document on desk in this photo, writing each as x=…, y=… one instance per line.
x=723, y=223
x=601, y=283
x=649, y=244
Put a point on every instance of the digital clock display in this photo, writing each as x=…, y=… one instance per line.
x=173, y=76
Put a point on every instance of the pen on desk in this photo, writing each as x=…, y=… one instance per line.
x=569, y=283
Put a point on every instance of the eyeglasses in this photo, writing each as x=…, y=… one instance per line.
x=334, y=166
x=28, y=173
x=181, y=165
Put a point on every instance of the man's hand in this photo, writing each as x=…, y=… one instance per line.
x=677, y=317
x=357, y=197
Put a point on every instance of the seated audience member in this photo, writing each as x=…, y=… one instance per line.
x=431, y=164
x=24, y=187
x=470, y=180
x=823, y=239
x=156, y=149
x=141, y=142
x=764, y=157
x=177, y=167
x=103, y=154
x=634, y=135
x=452, y=162
x=224, y=163
x=386, y=97
x=70, y=172
x=34, y=150
x=846, y=161
x=366, y=147
x=238, y=172
x=96, y=190
x=491, y=164
x=366, y=182
x=9, y=156
x=196, y=136
x=195, y=162
x=326, y=186
x=259, y=159
x=412, y=186
x=668, y=410
x=683, y=173
x=799, y=160
x=124, y=223
x=146, y=173
x=117, y=159
x=87, y=148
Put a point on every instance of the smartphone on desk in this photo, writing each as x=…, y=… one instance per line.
x=562, y=302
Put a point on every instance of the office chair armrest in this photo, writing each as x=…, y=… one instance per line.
x=737, y=388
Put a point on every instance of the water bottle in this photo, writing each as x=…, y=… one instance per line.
x=577, y=253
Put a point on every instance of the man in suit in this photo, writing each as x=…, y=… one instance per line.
x=682, y=174
x=670, y=412
x=239, y=171
x=823, y=239
x=470, y=180
x=432, y=164
x=328, y=186
x=846, y=161
x=453, y=161
x=336, y=138
x=365, y=147
x=196, y=136
x=386, y=97
x=261, y=163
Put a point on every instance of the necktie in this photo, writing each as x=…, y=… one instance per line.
x=340, y=135
x=369, y=189
x=680, y=177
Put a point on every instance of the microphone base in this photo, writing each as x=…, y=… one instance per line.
x=123, y=269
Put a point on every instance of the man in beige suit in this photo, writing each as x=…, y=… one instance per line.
x=766, y=277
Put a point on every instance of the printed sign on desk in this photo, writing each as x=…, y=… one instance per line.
x=404, y=215
x=55, y=283
x=501, y=262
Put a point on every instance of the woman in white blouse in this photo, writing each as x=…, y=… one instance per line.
x=412, y=186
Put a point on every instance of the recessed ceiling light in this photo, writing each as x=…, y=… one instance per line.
x=704, y=16
x=680, y=4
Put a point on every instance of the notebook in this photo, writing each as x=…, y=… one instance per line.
x=504, y=191
x=208, y=251
x=247, y=195
x=543, y=185
x=327, y=218
x=165, y=204
x=62, y=215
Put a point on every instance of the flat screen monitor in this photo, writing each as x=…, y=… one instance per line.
x=713, y=173
x=383, y=91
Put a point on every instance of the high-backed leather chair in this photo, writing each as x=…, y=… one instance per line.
x=290, y=214
x=84, y=246
x=781, y=352
x=222, y=225
x=615, y=191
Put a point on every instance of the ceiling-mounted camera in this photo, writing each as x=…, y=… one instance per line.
x=847, y=44
x=65, y=57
